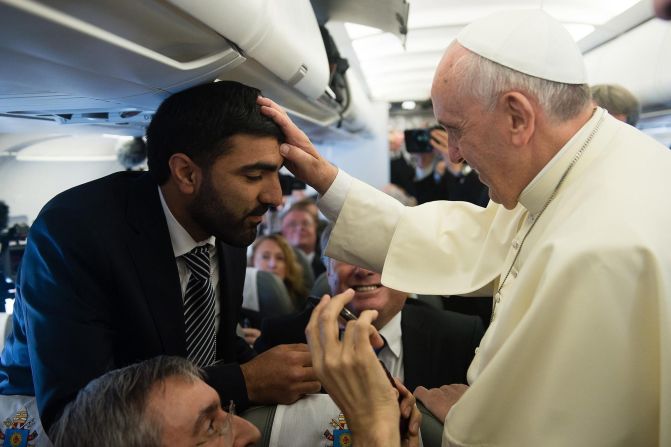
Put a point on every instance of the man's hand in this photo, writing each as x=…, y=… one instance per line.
x=439, y=400
x=250, y=334
x=410, y=414
x=352, y=374
x=440, y=142
x=282, y=375
x=301, y=157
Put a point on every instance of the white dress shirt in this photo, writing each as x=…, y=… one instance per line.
x=392, y=354
x=182, y=243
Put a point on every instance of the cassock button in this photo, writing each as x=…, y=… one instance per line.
x=497, y=298
x=516, y=245
x=513, y=272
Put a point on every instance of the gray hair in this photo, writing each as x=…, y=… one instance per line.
x=618, y=101
x=485, y=80
x=112, y=409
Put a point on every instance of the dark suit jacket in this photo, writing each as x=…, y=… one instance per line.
x=438, y=346
x=317, y=264
x=99, y=289
x=467, y=188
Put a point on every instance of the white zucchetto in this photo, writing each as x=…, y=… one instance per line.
x=529, y=41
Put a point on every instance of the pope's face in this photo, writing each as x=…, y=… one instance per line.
x=475, y=134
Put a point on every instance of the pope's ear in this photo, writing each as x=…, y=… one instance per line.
x=521, y=117
x=185, y=173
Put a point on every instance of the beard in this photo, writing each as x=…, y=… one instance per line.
x=213, y=215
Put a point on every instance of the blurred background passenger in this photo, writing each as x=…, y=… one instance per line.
x=438, y=178
x=4, y=216
x=620, y=102
x=4, y=285
x=273, y=254
x=299, y=227
x=401, y=170
x=158, y=402
x=309, y=204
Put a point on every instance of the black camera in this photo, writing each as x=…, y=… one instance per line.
x=290, y=183
x=418, y=141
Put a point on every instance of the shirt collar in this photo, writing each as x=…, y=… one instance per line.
x=536, y=193
x=182, y=242
x=392, y=333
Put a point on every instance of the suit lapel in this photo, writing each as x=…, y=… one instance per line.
x=232, y=263
x=154, y=260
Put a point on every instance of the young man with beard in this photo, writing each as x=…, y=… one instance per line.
x=135, y=265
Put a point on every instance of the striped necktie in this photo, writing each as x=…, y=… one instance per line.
x=201, y=336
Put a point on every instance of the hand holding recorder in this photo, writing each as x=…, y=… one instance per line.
x=353, y=376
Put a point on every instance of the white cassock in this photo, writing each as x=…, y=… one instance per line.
x=579, y=349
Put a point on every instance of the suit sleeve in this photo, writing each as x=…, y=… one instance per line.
x=229, y=382
x=64, y=307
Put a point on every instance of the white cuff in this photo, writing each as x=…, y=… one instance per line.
x=333, y=199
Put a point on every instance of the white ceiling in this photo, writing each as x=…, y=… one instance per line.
x=394, y=73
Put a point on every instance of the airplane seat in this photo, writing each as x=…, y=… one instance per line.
x=431, y=428
x=5, y=327
x=263, y=417
x=264, y=295
x=321, y=286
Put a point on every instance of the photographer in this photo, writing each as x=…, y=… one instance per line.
x=437, y=178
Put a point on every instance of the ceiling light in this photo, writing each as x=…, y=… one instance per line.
x=408, y=105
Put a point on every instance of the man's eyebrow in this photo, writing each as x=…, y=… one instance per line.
x=261, y=166
x=205, y=413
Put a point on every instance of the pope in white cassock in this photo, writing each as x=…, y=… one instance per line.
x=575, y=247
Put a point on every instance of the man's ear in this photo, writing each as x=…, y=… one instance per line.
x=186, y=174
x=521, y=117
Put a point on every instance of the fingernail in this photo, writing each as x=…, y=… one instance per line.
x=284, y=149
x=415, y=427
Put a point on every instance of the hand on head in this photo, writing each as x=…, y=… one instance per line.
x=663, y=9
x=301, y=157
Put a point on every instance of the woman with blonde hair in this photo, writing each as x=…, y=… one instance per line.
x=272, y=253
